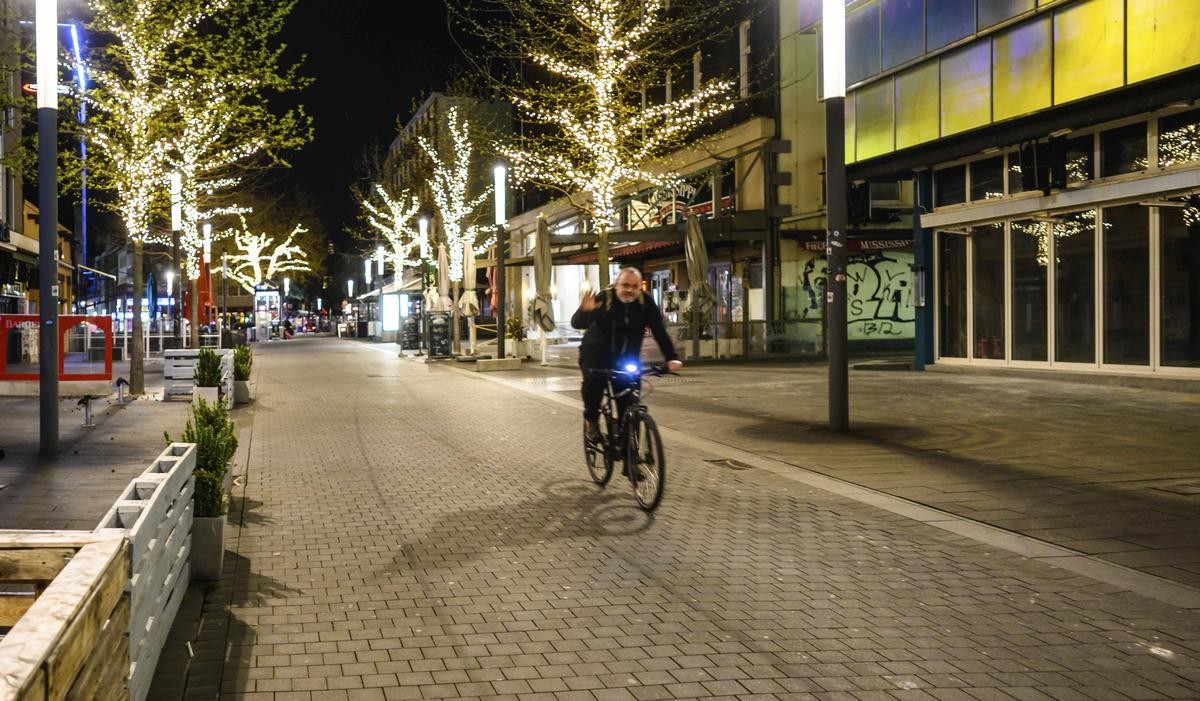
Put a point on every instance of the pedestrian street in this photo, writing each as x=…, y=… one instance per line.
x=409, y=530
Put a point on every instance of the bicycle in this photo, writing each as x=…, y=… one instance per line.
x=634, y=435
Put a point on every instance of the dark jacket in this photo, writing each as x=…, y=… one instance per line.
x=614, y=330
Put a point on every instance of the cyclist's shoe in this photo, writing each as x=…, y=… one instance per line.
x=593, y=432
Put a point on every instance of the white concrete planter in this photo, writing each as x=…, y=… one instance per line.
x=208, y=394
x=208, y=547
x=241, y=391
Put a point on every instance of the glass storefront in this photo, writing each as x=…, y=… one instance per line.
x=1074, y=246
x=1127, y=285
x=1112, y=288
x=952, y=295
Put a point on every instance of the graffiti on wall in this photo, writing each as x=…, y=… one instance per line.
x=879, y=290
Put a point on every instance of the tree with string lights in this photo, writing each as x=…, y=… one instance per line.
x=395, y=219
x=592, y=129
x=259, y=255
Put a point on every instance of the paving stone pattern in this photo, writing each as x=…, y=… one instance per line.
x=409, y=531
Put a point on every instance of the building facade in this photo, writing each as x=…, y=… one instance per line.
x=1048, y=154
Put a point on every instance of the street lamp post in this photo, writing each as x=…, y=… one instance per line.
x=833, y=35
x=175, y=185
x=46, y=28
x=500, y=191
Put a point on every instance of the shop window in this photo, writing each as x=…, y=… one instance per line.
x=1089, y=49
x=950, y=186
x=1022, y=75
x=1014, y=173
x=966, y=88
x=903, y=31
x=1126, y=234
x=1078, y=156
x=992, y=12
x=952, y=295
x=987, y=179
x=1179, y=139
x=917, y=105
x=1074, y=248
x=875, y=114
x=1030, y=263
x=1123, y=150
x=862, y=43
x=1180, y=290
x=1162, y=37
x=947, y=21
x=988, y=298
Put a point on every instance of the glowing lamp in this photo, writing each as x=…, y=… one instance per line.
x=500, y=191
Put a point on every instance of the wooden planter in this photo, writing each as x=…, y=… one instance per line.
x=68, y=636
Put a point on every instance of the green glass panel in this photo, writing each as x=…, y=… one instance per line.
x=966, y=88
x=1164, y=36
x=1022, y=73
x=917, y=105
x=875, y=117
x=1089, y=46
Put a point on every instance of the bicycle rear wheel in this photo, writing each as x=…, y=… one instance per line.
x=599, y=460
x=645, y=461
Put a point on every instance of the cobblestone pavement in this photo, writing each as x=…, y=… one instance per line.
x=410, y=531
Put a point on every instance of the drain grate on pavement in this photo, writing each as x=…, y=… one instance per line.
x=730, y=464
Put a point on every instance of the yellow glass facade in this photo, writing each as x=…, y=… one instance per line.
x=1089, y=49
x=966, y=88
x=1022, y=70
x=1164, y=37
x=1069, y=50
x=917, y=105
x=875, y=114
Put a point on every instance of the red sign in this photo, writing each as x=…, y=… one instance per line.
x=13, y=322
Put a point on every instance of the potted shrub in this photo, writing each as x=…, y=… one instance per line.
x=514, y=329
x=243, y=361
x=211, y=429
x=207, y=377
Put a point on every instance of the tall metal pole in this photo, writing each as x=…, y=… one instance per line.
x=46, y=21
x=834, y=39
x=224, y=293
x=500, y=193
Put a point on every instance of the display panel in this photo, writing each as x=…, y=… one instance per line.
x=947, y=21
x=1164, y=36
x=1023, y=70
x=917, y=105
x=862, y=43
x=1089, y=49
x=996, y=11
x=903, y=35
x=966, y=88
x=875, y=113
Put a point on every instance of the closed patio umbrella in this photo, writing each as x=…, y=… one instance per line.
x=542, y=310
x=700, y=300
x=468, y=301
x=445, y=304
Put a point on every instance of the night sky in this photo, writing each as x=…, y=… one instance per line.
x=370, y=59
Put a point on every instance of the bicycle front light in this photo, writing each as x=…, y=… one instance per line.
x=630, y=367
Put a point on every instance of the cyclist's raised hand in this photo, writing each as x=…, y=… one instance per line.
x=588, y=303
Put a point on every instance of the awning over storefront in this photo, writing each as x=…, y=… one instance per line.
x=413, y=285
x=625, y=252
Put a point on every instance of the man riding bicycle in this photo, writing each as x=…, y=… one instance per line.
x=615, y=320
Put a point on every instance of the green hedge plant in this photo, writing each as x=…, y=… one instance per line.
x=211, y=429
x=208, y=369
x=243, y=361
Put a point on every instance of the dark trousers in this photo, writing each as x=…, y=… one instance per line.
x=593, y=385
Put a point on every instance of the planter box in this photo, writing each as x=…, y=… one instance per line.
x=208, y=394
x=241, y=391
x=208, y=547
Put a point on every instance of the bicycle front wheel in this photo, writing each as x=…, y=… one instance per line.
x=645, y=462
x=599, y=460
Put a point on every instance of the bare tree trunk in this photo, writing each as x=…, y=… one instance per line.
x=137, y=372
x=455, y=292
